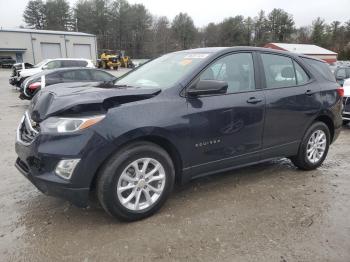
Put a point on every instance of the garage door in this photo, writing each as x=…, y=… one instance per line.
x=82, y=51
x=50, y=50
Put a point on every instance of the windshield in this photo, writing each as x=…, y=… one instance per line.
x=41, y=63
x=164, y=71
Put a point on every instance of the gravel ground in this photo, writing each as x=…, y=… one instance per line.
x=268, y=212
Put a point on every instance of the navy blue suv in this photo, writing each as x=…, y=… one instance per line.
x=183, y=115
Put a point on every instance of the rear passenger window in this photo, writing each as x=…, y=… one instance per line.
x=279, y=71
x=236, y=69
x=322, y=67
x=302, y=76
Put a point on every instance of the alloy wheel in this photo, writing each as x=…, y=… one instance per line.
x=316, y=146
x=141, y=184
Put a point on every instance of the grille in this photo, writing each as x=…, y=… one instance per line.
x=113, y=59
x=14, y=72
x=27, y=130
x=346, y=102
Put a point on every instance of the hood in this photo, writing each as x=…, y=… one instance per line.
x=83, y=98
x=30, y=71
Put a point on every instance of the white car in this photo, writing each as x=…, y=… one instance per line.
x=346, y=100
x=23, y=71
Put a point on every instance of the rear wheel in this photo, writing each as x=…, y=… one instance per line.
x=313, y=148
x=136, y=181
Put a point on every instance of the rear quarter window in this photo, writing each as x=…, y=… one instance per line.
x=322, y=68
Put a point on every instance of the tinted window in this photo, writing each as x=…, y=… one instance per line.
x=101, y=76
x=322, y=68
x=74, y=63
x=279, y=71
x=236, y=69
x=341, y=73
x=52, y=76
x=348, y=72
x=302, y=76
x=82, y=75
x=68, y=75
x=76, y=75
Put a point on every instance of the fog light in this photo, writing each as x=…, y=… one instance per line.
x=65, y=168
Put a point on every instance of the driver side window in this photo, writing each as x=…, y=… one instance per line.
x=236, y=69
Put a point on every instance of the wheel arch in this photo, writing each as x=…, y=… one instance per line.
x=329, y=123
x=158, y=140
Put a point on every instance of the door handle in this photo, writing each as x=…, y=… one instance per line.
x=254, y=100
x=309, y=93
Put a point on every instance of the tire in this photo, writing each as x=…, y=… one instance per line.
x=301, y=160
x=119, y=166
x=346, y=122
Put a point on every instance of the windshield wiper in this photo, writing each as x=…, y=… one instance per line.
x=123, y=86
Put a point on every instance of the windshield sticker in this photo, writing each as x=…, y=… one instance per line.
x=196, y=56
x=185, y=62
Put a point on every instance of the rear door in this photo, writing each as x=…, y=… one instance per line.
x=292, y=101
x=226, y=130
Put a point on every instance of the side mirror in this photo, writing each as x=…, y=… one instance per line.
x=44, y=67
x=208, y=87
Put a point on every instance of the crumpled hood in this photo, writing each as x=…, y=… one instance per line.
x=30, y=71
x=80, y=98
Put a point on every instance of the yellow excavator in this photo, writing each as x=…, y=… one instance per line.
x=111, y=59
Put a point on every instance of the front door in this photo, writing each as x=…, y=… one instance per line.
x=226, y=130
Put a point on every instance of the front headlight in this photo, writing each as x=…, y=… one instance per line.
x=63, y=125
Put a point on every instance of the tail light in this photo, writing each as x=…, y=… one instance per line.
x=34, y=86
x=340, y=91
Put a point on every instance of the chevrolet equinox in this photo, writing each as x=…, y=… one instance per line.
x=183, y=115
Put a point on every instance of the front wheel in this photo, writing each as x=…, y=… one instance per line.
x=313, y=148
x=136, y=181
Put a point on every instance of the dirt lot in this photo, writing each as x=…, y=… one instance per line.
x=269, y=212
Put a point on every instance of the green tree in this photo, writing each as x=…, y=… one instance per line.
x=140, y=28
x=248, y=29
x=261, y=29
x=211, y=35
x=84, y=16
x=318, y=35
x=281, y=25
x=34, y=14
x=161, y=34
x=232, y=31
x=58, y=15
x=184, y=30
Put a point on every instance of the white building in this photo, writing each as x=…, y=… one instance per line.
x=33, y=46
x=310, y=50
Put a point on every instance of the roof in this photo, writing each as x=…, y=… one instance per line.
x=50, y=32
x=304, y=49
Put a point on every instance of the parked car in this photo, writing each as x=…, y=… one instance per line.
x=181, y=116
x=24, y=70
x=342, y=73
x=6, y=61
x=33, y=84
x=346, y=101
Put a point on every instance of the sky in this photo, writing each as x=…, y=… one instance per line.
x=203, y=12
